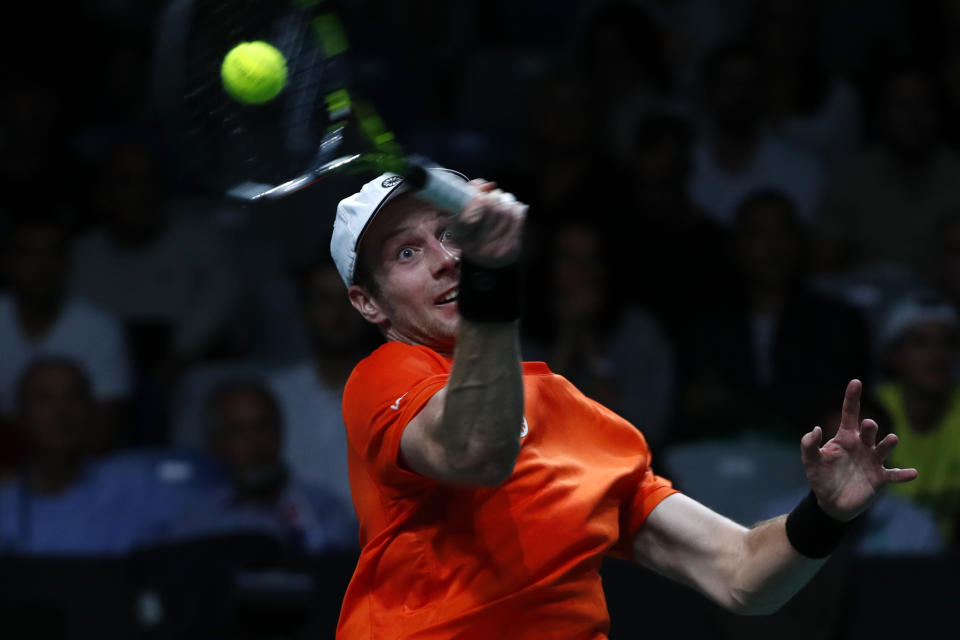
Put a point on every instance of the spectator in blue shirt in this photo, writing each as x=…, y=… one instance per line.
x=62, y=501
x=245, y=433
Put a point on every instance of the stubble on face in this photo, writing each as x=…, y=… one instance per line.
x=410, y=287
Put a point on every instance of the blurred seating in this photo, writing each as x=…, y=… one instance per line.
x=497, y=85
x=736, y=478
x=66, y=598
x=238, y=586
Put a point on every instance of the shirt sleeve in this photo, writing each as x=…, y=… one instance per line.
x=650, y=491
x=384, y=393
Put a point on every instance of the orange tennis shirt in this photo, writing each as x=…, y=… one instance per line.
x=518, y=561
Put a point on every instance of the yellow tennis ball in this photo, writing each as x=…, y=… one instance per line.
x=254, y=72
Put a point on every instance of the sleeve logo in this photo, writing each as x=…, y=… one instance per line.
x=396, y=403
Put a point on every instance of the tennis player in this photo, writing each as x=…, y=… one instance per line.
x=488, y=489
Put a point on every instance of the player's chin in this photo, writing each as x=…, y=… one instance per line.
x=448, y=310
x=448, y=319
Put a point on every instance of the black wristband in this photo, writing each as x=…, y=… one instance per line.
x=489, y=294
x=811, y=531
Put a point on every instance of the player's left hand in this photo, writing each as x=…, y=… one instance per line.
x=847, y=471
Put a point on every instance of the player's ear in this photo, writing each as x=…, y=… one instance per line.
x=363, y=302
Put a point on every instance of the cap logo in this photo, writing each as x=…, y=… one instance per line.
x=391, y=181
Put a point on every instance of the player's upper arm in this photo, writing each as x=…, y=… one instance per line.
x=424, y=454
x=418, y=452
x=687, y=542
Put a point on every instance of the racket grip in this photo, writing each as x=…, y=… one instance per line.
x=440, y=188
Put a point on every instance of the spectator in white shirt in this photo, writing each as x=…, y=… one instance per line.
x=737, y=156
x=152, y=268
x=39, y=317
x=169, y=279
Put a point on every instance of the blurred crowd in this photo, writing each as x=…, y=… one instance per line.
x=735, y=207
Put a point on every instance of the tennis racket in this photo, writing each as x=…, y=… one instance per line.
x=313, y=130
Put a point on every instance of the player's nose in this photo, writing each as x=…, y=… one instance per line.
x=444, y=259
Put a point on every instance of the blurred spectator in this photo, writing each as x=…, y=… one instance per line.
x=855, y=33
x=950, y=81
x=580, y=323
x=768, y=358
x=919, y=341
x=61, y=502
x=623, y=59
x=680, y=255
x=40, y=317
x=945, y=270
x=34, y=139
x=737, y=155
x=246, y=434
x=883, y=204
x=565, y=159
x=151, y=268
x=694, y=28
x=169, y=279
x=805, y=104
x=309, y=392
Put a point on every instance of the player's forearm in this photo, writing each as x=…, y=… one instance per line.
x=483, y=406
x=770, y=571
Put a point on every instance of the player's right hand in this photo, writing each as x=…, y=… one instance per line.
x=489, y=231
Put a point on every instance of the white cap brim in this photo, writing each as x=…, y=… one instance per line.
x=355, y=213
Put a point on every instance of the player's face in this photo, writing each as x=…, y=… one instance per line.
x=418, y=274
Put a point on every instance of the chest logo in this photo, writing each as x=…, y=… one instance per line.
x=525, y=429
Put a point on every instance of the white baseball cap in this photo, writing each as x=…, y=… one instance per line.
x=355, y=213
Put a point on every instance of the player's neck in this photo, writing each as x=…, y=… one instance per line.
x=444, y=348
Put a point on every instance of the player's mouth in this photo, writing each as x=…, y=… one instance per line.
x=448, y=297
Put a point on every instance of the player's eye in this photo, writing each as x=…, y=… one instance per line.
x=405, y=253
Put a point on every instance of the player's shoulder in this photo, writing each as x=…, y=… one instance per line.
x=396, y=356
x=386, y=375
x=396, y=362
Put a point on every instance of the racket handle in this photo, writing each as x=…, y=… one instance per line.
x=440, y=188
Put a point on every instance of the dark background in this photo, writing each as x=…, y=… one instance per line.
x=727, y=202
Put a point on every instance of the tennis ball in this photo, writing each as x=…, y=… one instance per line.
x=254, y=72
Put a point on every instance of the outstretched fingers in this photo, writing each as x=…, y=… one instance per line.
x=810, y=446
x=883, y=450
x=900, y=475
x=886, y=446
x=850, y=414
x=868, y=432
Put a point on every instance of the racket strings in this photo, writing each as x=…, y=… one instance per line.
x=266, y=142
